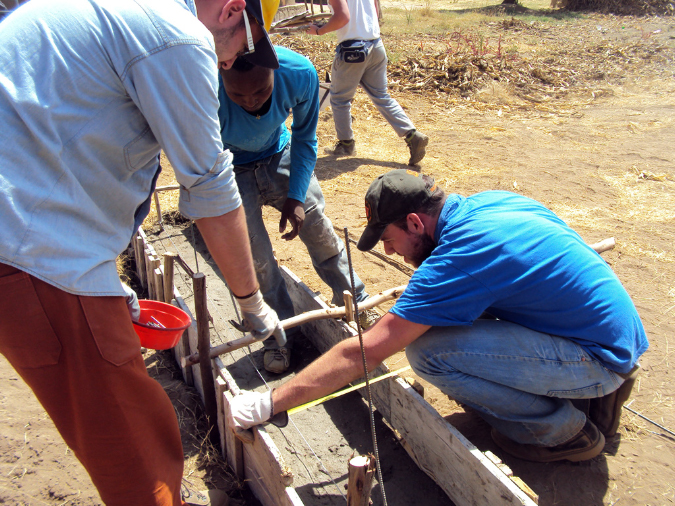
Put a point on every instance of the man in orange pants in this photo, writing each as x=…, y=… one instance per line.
x=90, y=91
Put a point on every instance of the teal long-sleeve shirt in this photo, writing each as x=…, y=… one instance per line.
x=251, y=138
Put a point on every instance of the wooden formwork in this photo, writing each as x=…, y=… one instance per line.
x=467, y=475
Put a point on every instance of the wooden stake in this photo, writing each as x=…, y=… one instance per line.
x=169, y=257
x=140, y=263
x=349, y=306
x=318, y=314
x=159, y=283
x=149, y=274
x=203, y=347
x=189, y=378
x=604, y=245
x=159, y=210
x=361, y=470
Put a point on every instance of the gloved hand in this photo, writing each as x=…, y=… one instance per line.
x=293, y=211
x=132, y=303
x=259, y=319
x=249, y=409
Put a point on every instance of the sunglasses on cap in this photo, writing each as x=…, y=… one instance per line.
x=249, y=38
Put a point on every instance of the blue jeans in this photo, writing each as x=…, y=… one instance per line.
x=372, y=76
x=519, y=380
x=265, y=182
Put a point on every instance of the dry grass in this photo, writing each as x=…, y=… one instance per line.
x=622, y=7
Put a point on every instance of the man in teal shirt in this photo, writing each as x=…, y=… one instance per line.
x=275, y=167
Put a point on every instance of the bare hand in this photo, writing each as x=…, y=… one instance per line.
x=294, y=212
x=313, y=30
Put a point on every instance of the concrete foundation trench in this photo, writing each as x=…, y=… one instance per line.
x=424, y=460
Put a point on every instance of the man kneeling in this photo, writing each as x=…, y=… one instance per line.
x=509, y=312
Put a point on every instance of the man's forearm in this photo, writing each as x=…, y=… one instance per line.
x=226, y=236
x=336, y=368
x=343, y=363
x=339, y=18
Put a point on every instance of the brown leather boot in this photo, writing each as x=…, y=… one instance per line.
x=585, y=445
x=605, y=411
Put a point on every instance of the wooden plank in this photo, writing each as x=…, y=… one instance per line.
x=288, y=11
x=221, y=388
x=293, y=497
x=260, y=463
x=324, y=333
x=159, y=282
x=441, y=451
x=233, y=447
x=140, y=262
x=183, y=348
x=168, y=284
x=265, y=471
x=204, y=346
x=149, y=276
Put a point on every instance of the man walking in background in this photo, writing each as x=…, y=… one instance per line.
x=275, y=167
x=90, y=91
x=360, y=58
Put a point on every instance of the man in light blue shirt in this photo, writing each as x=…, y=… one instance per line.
x=90, y=91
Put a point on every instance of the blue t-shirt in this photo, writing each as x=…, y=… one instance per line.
x=251, y=138
x=510, y=256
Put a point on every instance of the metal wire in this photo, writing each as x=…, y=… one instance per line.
x=365, y=368
x=650, y=421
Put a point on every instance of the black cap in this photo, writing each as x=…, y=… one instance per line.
x=391, y=197
x=264, y=54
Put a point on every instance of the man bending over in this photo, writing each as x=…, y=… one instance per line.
x=274, y=167
x=509, y=312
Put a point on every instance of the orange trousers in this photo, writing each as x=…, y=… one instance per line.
x=82, y=359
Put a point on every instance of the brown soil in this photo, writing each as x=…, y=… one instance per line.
x=580, y=117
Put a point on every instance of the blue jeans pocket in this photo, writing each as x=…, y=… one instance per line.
x=588, y=392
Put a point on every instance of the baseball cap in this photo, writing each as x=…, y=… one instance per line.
x=391, y=197
x=263, y=12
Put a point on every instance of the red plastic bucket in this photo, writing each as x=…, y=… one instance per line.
x=160, y=325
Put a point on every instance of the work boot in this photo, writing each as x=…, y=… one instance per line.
x=342, y=148
x=585, y=445
x=605, y=411
x=417, y=143
x=277, y=360
x=367, y=318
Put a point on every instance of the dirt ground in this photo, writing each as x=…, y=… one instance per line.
x=600, y=155
x=581, y=119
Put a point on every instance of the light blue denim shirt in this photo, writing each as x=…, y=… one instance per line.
x=90, y=91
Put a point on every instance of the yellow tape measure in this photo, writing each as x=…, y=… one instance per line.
x=346, y=391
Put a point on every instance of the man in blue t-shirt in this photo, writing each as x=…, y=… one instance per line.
x=276, y=168
x=509, y=312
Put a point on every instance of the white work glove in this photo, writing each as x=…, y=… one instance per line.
x=249, y=409
x=259, y=319
x=132, y=303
